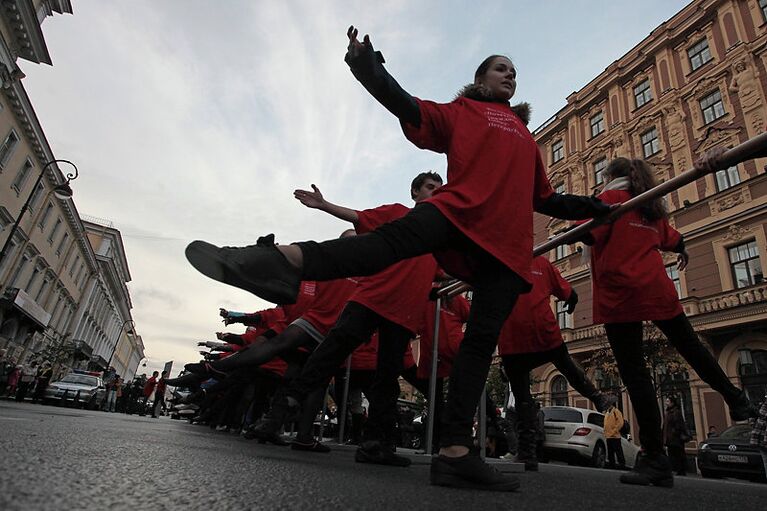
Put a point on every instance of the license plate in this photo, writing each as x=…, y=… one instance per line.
x=730, y=458
x=553, y=431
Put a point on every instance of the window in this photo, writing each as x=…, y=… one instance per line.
x=6, y=150
x=33, y=279
x=564, y=319
x=745, y=265
x=79, y=272
x=559, y=188
x=727, y=178
x=22, y=176
x=36, y=196
x=699, y=54
x=642, y=93
x=19, y=270
x=46, y=214
x=63, y=242
x=559, y=391
x=72, y=267
x=763, y=5
x=712, y=107
x=650, y=143
x=752, y=369
x=54, y=231
x=597, y=419
x=597, y=124
x=599, y=166
x=673, y=273
x=561, y=252
x=557, y=151
x=43, y=288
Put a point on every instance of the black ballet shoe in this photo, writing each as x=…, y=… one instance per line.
x=313, y=446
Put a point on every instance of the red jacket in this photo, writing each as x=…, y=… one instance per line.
x=495, y=178
x=149, y=386
x=532, y=327
x=399, y=292
x=330, y=299
x=454, y=313
x=629, y=278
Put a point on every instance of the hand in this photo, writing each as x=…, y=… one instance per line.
x=682, y=260
x=223, y=312
x=220, y=336
x=571, y=302
x=309, y=199
x=201, y=343
x=355, y=47
x=711, y=160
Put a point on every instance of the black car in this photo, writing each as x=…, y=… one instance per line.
x=731, y=455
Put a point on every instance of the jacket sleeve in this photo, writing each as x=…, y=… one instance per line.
x=368, y=69
x=671, y=239
x=559, y=286
x=572, y=207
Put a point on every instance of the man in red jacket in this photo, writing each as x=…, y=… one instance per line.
x=159, y=394
x=149, y=386
x=392, y=302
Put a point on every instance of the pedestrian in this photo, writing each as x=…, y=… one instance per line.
x=630, y=285
x=118, y=404
x=44, y=374
x=613, y=426
x=6, y=367
x=13, y=378
x=759, y=432
x=675, y=435
x=112, y=388
x=159, y=395
x=530, y=338
x=712, y=432
x=479, y=226
x=26, y=380
x=149, y=386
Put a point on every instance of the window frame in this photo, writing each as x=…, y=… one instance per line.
x=645, y=93
x=704, y=49
x=597, y=121
x=598, y=178
x=22, y=176
x=752, y=281
x=7, y=153
x=673, y=274
x=557, y=151
x=564, y=320
x=726, y=175
x=653, y=143
x=712, y=107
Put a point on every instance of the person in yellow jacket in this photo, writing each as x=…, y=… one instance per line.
x=612, y=428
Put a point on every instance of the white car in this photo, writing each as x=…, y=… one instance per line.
x=576, y=435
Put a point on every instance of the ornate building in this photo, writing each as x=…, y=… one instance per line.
x=699, y=80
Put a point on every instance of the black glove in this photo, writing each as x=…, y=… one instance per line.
x=600, y=208
x=571, y=302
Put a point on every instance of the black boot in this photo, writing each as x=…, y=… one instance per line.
x=527, y=420
x=651, y=469
x=471, y=472
x=268, y=428
x=260, y=269
x=380, y=453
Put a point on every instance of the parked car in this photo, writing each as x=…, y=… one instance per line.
x=730, y=454
x=576, y=435
x=84, y=386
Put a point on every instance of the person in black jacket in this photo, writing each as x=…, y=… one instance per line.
x=675, y=435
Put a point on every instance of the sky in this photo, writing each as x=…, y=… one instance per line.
x=196, y=119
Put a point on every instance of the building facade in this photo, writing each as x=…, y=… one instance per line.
x=699, y=80
x=62, y=280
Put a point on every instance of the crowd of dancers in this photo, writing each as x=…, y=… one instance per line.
x=371, y=289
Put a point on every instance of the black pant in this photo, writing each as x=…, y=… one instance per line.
x=288, y=341
x=518, y=367
x=159, y=403
x=354, y=327
x=422, y=231
x=614, y=449
x=678, y=459
x=626, y=342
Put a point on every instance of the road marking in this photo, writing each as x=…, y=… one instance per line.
x=14, y=419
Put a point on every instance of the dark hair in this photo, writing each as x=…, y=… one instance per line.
x=485, y=65
x=673, y=399
x=641, y=179
x=421, y=178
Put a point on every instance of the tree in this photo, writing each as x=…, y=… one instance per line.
x=663, y=361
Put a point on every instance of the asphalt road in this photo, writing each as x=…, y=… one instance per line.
x=59, y=458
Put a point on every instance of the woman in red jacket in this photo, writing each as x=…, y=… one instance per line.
x=479, y=226
x=631, y=286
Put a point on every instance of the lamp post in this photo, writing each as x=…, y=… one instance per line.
x=117, y=341
x=62, y=191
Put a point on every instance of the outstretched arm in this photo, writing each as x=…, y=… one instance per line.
x=315, y=200
x=367, y=67
x=573, y=207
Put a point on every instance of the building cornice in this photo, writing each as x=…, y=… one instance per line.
x=28, y=40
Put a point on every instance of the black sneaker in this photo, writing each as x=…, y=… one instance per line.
x=313, y=446
x=379, y=453
x=531, y=465
x=470, y=472
x=651, y=469
x=744, y=409
x=259, y=269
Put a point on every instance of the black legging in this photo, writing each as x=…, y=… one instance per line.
x=292, y=338
x=422, y=231
x=626, y=342
x=518, y=367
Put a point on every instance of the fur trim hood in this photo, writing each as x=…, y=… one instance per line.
x=480, y=93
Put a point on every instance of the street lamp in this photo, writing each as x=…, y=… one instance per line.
x=117, y=341
x=62, y=191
